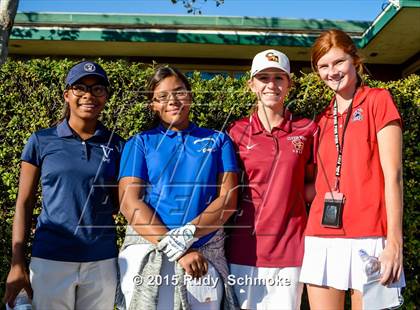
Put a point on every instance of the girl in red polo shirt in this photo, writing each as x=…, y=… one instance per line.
x=265, y=246
x=357, y=210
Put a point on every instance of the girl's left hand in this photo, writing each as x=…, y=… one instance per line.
x=194, y=263
x=391, y=260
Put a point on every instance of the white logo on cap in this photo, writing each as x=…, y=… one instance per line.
x=89, y=67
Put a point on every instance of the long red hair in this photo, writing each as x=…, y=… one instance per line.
x=339, y=39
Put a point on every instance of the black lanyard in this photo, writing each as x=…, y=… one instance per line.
x=337, y=142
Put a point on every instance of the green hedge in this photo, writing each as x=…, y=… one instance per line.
x=31, y=98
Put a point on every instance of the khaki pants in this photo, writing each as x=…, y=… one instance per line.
x=61, y=285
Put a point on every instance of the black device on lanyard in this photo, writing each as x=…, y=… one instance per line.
x=332, y=215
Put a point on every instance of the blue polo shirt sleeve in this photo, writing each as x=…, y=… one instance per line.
x=227, y=160
x=133, y=160
x=31, y=152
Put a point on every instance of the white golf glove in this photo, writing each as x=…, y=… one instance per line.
x=177, y=241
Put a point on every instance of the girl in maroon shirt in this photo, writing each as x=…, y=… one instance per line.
x=276, y=152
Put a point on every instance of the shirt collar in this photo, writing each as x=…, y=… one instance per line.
x=101, y=130
x=257, y=127
x=171, y=133
x=64, y=130
x=359, y=96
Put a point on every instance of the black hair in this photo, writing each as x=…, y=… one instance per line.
x=162, y=73
x=65, y=112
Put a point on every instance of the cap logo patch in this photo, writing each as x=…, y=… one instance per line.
x=271, y=57
x=89, y=67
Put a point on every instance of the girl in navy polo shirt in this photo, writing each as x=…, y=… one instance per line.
x=73, y=264
x=177, y=185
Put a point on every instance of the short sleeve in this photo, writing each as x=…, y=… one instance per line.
x=384, y=110
x=231, y=135
x=227, y=159
x=120, y=145
x=315, y=143
x=133, y=160
x=31, y=153
x=229, y=129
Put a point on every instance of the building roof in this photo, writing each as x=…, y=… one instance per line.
x=392, y=38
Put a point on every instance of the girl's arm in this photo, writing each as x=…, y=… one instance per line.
x=18, y=278
x=139, y=215
x=310, y=173
x=211, y=219
x=390, y=152
x=219, y=211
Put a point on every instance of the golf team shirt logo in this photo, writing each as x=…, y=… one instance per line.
x=271, y=57
x=206, y=145
x=89, y=67
x=358, y=115
x=107, y=150
x=298, y=143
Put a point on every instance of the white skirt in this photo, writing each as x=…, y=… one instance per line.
x=266, y=287
x=335, y=262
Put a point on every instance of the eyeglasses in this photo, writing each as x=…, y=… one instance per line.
x=164, y=97
x=96, y=90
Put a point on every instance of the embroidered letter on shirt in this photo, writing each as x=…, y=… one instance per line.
x=107, y=150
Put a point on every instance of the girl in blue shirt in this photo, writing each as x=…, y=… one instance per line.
x=177, y=188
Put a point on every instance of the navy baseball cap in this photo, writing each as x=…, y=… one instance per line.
x=86, y=68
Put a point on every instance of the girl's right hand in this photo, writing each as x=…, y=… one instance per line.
x=17, y=280
x=194, y=263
